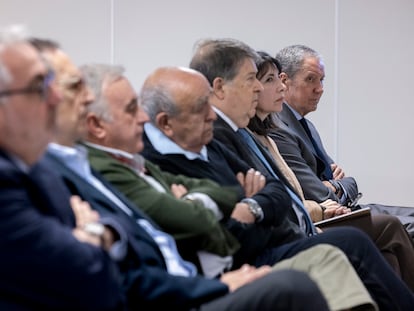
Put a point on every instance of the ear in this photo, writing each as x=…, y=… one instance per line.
x=94, y=126
x=283, y=77
x=162, y=121
x=218, y=87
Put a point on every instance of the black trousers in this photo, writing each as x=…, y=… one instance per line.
x=284, y=290
x=383, y=284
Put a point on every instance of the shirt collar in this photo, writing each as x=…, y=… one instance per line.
x=226, y=119
x=117, y=153
x=114, y=151
x=297, y=114
x=165, y=145
x=76, y=157
x=19, y=163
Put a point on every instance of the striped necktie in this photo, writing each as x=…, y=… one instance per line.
x=298, y=204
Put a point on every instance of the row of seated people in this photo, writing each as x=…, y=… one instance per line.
x=244, y=235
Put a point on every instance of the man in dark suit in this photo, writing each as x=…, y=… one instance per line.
x=229, y=66
x=303, y=72
x=154, y=274
x=50, y=259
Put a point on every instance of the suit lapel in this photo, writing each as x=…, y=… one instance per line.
x=290, y=121
x=77, y=185
x=49, y=191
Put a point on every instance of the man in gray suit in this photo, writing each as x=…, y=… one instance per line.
x=300, y=144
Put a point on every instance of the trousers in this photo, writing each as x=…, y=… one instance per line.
x=395, y=244
x=284, y=290
x=326, y=265
x=381, y=281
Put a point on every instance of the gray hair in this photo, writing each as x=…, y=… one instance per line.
x=9, y=36
x=97, y=78
x=156, y=99
x=220, y=57
x=291, y=58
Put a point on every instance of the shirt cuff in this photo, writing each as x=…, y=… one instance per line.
x=118, y=250
x=206, y=201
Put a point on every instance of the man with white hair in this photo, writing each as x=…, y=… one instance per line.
x=50, y=260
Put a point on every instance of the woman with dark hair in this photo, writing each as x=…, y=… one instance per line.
x=271, y=100
x=386, y=231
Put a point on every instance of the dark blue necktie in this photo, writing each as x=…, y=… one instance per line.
x=310, y=227
x=327, y=172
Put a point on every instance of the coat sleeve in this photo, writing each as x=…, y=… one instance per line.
x=184, y=219
x=153, y=287
x=273, y=198
x=42, y=262
x=225, y=197
x=302, y=162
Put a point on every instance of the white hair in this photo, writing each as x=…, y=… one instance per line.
x=9, y=35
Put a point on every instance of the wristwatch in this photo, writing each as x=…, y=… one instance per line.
x=254, y=208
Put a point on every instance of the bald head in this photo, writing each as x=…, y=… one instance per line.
x=165, y=75
x=169, y=89
x=177, y=102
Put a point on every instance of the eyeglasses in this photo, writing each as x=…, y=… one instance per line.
x=74, y=84
x=39, y=85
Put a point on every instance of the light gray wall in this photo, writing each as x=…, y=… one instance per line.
x=367, y=46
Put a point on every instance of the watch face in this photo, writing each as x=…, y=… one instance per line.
x=255, y=209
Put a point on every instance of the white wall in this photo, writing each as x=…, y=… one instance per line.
x=367, y=46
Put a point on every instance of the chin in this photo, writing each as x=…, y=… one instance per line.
x=252, y=113
x=139, y=148
x=206, y=139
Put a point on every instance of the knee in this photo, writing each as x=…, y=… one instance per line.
x=389, y=227
x=328, y=253
x=351, y=233
x=384, y=221
x=298, y=287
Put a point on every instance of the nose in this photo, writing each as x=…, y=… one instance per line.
x=212, y=116
x=258, y=86
x=142, y=116
x=319, y=88
x=89, y=96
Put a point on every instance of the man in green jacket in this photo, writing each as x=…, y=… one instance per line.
x=188, y=208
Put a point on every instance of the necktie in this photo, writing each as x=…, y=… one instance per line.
x=310, y=227
x=327, y=172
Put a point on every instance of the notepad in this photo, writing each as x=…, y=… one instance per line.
x=360, y=218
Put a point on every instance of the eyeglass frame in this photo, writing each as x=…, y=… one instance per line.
x=42, y=90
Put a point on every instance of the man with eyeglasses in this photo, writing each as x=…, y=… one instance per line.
x=50, y=261
x=40, y=86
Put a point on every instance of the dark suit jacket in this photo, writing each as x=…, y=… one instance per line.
x=297, y=150
x=225, y=134
x=147, y=282
x=42, y=266
x=222, y=166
